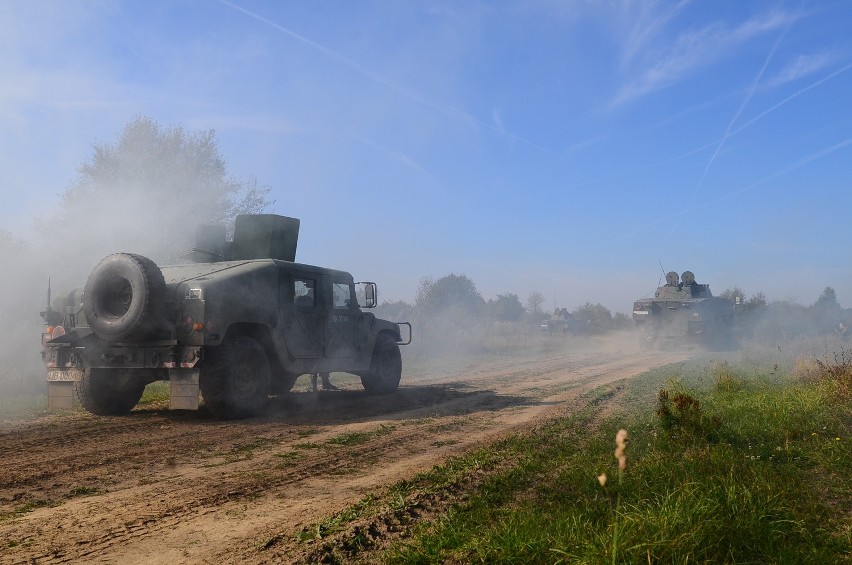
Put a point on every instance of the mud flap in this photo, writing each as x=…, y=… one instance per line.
x=184, y=391
x=60, y=388
x=61, y=396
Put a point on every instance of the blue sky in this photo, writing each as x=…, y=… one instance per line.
x=567, y=147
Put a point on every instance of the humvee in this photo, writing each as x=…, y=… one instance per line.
x=684, y=312
x=240, y=321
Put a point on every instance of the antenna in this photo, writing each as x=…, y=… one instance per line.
x=48, y=315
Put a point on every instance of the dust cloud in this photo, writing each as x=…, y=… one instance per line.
x=454, y=338
x=144, y=194
x=762, y=332
x=63, y=256
x=159, y=223
x=23, y=294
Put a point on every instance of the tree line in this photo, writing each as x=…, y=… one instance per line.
x=782, y=320
x=457, y=297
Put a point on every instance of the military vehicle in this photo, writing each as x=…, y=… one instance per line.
x=240, y=321
x=683, y=313
x=562, y=322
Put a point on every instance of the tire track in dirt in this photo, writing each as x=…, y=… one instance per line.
x=175, y=488
x=195, y=498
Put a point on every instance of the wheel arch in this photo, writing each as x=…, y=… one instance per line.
x=261, y=334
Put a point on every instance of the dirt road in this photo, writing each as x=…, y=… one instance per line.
x=171, y=487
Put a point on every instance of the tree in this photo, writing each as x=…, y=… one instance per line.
x=506, y=307
x=534, y=302
x=827, y=300
x=757, y=302
x=424, y=288
x=596, y=317
x=621, y=321
x=736, y=295
x=452, y=292
x=147, y=192
x=397, y=310
x=826, y=312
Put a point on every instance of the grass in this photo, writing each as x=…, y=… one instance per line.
x=83, y=491
x=27, y=507
x=336, y=522
x=157, y=392
x=289, y=458
x=727, y=463
x=443, y=442
x=245, y=451
x=358, y=438
x=307, y=445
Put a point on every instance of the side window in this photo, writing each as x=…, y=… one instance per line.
x=304, y=292
x=341, y=296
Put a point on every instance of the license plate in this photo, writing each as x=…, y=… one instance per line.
x=58, y=375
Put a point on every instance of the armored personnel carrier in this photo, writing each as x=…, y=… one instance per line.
x=240, y=321
x=682, y=313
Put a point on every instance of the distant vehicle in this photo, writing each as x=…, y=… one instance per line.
x=683, y=312
x=562, y=322
x=241, y=321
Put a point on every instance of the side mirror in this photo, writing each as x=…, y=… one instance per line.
x=368, y=294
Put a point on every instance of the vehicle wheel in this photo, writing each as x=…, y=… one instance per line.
x=123, y=296
x=283, y=382
x=109, y=392
x=386, y=367
x=235, y=379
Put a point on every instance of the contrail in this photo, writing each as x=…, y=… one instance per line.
x=729, y=134
x=791, y=97
x=781, y=172
x=446, y=109
x=732, y=133
x=728, y=131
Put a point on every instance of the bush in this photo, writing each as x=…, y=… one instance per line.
x=838, y=373
x=680, y=415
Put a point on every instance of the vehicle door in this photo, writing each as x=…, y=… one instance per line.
x=302, y=313
x=343, y=316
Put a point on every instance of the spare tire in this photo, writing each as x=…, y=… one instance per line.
x=123, y=298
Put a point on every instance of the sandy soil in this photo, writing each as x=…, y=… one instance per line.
x=177, y=487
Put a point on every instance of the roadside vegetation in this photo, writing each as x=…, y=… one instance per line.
x=724, y=462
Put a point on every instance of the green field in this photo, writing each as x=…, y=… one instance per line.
x=726, y=463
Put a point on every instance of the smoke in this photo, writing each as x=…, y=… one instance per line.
x=144, y=194
x=783, y=322
x=64, y=262
x=23, y=294
x=454, y=337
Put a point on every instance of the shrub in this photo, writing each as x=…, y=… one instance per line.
x=680, y=414
x=838, y=372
